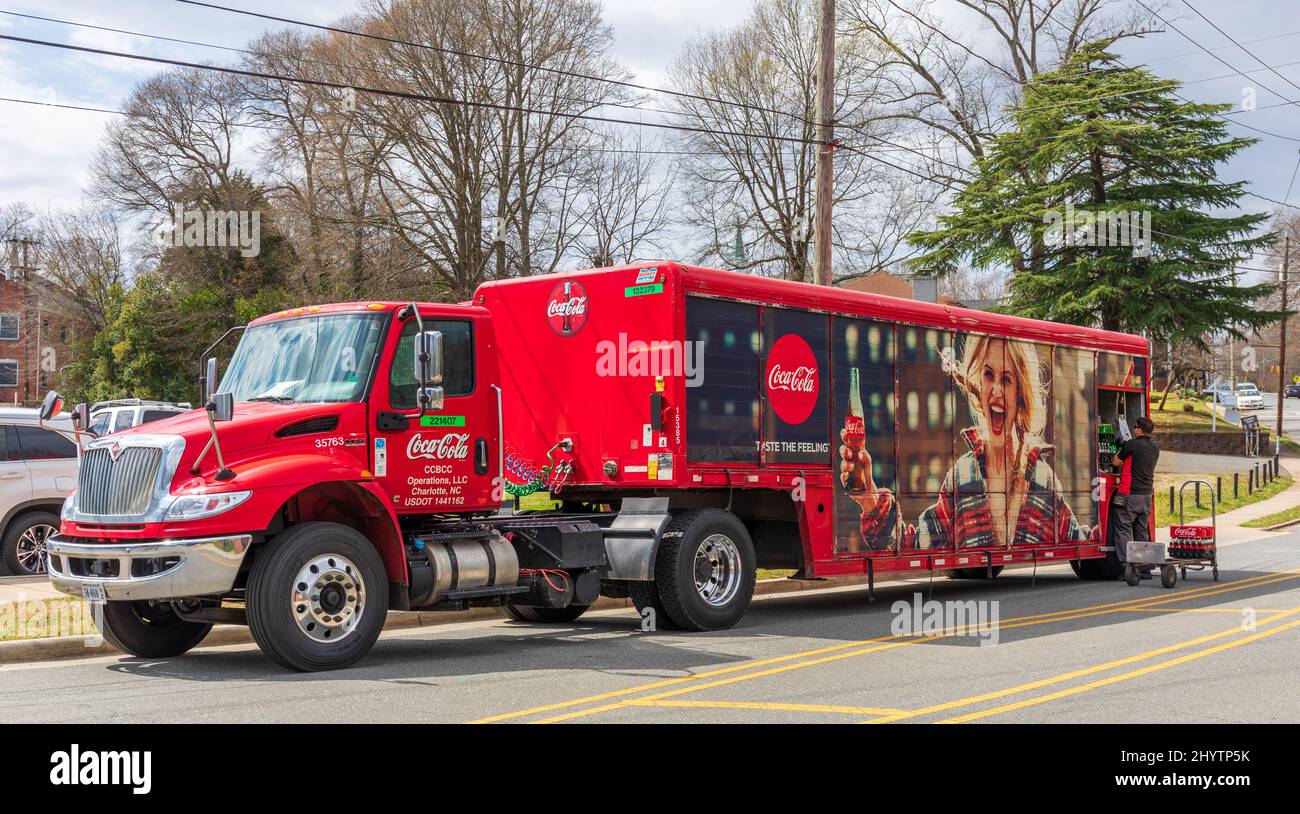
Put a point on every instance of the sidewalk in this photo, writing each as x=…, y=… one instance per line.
x=1229, y=523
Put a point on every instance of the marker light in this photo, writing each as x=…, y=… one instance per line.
x=194, y=507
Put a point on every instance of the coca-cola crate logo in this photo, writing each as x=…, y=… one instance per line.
x=792, y=379
x=1191, y=532
x=566, y=308
x=452, y=446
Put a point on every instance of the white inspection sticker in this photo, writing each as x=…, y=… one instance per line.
x=647, y=435
x=665, y=466
x=381, y=458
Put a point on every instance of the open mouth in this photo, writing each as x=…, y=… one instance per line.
x=997, y=418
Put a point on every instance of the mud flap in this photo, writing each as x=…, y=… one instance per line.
x=632, y=540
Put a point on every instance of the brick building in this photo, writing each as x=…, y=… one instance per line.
x=38, y=327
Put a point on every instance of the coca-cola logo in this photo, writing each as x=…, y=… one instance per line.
x=452, y=446
x=566, y=308
x=793, y=381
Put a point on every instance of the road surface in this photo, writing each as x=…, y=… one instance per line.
x=1065, y=650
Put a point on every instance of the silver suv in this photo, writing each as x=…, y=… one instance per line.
x=121, y=414
x=38, y=469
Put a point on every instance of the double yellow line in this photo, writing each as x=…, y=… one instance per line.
x=811, y=658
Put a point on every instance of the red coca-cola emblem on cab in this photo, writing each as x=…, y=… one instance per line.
x=566, y=309
x=792, y=379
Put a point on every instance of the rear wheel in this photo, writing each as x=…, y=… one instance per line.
x=150, y=630
x=705, y=570
x=317, y=596
x=523, y=613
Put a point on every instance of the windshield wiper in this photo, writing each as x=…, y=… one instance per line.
x=276, y=399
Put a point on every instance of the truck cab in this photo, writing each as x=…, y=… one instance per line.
x=364, y=440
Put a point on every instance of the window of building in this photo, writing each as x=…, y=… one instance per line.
x=8, y=372
x=9, y=326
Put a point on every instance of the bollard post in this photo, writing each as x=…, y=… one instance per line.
x=1171, y=500
x=1198, y=494
x=1218, y=488
x=1250, y=482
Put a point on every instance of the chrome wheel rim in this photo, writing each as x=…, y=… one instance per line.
x=328, y=597
x=717, y=569
x=30, y=551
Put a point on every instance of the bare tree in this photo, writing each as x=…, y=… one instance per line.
x=174, y=147
x=82, y=255
x=953, y=65
x=626, y=197
x=750, y=180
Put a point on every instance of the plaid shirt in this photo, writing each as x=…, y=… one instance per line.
x=963, y=517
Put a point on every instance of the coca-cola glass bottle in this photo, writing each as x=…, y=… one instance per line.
x=855, y=435
x=567, y=327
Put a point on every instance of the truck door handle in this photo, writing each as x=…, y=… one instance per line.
x=481, y=457
x=12, y=476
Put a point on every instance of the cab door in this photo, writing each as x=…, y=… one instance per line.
x=442, y=461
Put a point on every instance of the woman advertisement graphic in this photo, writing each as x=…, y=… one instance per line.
x=1002, y=489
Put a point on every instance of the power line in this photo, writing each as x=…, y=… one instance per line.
x=1248, y=52
x=253, y=53
x=497, y=60
x=419, y=97
x=1227, y=64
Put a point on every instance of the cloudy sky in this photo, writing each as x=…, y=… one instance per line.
x=44, y=151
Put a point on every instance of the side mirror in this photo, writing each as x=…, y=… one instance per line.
x=210, y=380
x=222, y=406
x=428, y=357
x=52, y=406
x=81, y=417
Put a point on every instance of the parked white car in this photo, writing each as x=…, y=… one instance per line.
x=121, y=414
x=1248, y=397
x=38, y=469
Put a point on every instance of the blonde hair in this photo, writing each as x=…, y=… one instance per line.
x=1031, y=407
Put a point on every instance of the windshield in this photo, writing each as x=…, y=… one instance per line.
x=311, y=359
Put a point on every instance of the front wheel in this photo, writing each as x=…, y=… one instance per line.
x=150, y=630
x=317, y=596
x=705, y=570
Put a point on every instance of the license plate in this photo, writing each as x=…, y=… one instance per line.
x=93, y=593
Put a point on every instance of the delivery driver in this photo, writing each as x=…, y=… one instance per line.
x=1132, y=504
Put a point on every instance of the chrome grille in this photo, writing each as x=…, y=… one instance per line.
x=121, y=487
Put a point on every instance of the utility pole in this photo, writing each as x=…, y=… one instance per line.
x=825, y=139
x=1281, y=342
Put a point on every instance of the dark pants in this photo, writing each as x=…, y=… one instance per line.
x=1130, y=519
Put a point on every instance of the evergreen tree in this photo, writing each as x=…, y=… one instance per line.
x=1096, y=149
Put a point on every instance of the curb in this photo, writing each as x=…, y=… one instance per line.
x=79, y=647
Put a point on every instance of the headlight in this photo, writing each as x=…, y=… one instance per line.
x=66, y=512
x=194, y=507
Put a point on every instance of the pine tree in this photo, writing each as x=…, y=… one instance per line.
x=1095, y=146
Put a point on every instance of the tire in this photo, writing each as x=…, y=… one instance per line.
x=705, y=570
x=550, y=616
x=645, y=595
x=973, y=573
x=1168, y=576
x=1081, y=568
x=317, y=596
x=24, y=543
x=150, y=630
x=1131, y=575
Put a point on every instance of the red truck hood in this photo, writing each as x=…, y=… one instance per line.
x=251, y=435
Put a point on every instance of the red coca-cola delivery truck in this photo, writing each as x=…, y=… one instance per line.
x=688, y=426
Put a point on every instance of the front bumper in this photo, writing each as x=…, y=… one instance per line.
x=162, y=569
